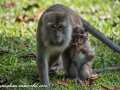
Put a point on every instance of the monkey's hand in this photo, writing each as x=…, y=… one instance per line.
x=91, y=55
x=75, y=44
x=84, y=50
x=79, y=48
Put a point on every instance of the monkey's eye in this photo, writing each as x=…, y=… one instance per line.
x=53, y=27
x=82, y=32
x=60, y=27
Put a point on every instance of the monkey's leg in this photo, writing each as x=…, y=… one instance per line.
x=73, y=72
x=85, y=71
x=66, y=62
x=54, y=69
x=54, y=59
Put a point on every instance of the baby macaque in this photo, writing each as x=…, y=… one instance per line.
x=81, y=55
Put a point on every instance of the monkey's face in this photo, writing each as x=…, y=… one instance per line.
x=79, y=35
x=57, y=29
x=56, y=33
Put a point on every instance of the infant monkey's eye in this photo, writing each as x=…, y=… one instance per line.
x=82, y=32
x=60, y=27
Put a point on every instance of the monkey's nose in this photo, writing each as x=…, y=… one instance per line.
x=80, y=41
x=57, y=38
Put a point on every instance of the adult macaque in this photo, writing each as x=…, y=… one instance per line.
x=81, y=55
x=53, y=37
x=54, y=34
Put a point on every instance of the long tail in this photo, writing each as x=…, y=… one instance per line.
x=100, y=36
x=117, y=67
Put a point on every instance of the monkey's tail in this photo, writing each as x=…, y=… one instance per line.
x=100, y=36
x=117, y=67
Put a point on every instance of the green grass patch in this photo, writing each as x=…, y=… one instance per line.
x=18, y=39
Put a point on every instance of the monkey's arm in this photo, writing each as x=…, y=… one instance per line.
x=100, y=36
x=107, y=68
x=91, y=55
x=42, y=65
x=88, y=51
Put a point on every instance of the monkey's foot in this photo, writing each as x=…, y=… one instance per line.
x=78, y=80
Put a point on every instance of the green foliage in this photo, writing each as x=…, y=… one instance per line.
x=103, y=15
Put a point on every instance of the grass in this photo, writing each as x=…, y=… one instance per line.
x=17, y=39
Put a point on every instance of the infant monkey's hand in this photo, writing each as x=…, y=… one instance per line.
x=79, y=48
x=84, y=50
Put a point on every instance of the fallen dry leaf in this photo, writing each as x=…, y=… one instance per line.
x=30, y=6
x=91, y=80
x=19, y=18
x=108, y=88
x=26, y=18
x=6, y=22
x=3, y=51
x=90, y=12
x=32, y=32
x=38, y=15
x=116, y=1
x=23, y=18
x=80, y=82
x=28, y=56
x=105, y=17
x=115, y=24
x=95, y=19
x=64, y=83
x=3, y=81
x=36, y=79
x=24, y=45
x=7, y=5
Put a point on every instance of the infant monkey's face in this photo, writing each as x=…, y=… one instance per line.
x=79, y=35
